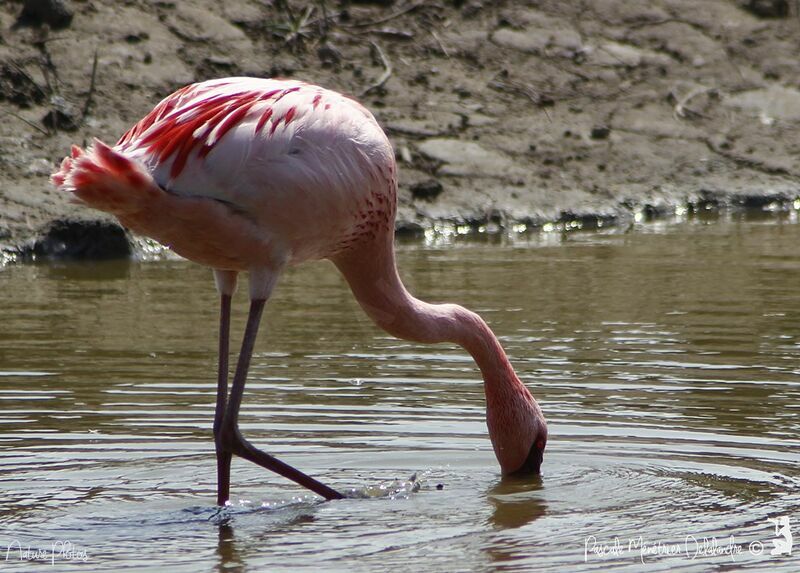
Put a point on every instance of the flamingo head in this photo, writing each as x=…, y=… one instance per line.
x=516, y=425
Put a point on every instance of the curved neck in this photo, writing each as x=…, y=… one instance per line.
x=376, y=285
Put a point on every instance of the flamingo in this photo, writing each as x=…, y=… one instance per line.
x=247, y=174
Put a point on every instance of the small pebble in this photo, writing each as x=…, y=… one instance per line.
x=600, y=132
x=427, y=190
x=55, y=13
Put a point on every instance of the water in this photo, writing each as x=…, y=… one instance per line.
x=666, y=360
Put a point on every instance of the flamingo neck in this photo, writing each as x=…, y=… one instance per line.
x=516, y=426
x=377, y=287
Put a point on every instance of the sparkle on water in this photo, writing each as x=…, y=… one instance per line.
x=666, y=360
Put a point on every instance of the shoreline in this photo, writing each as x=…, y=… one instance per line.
x=95, y=240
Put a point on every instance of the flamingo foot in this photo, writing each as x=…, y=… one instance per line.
x=230, y=441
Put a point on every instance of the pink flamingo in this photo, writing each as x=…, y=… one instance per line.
x=244, y=174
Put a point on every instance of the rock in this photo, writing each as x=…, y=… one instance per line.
x=600, y=132
x=54, y=13
x=427, y=190
x=201, y=25
x=62, y=117
x=283, y=67
x=472, y=8
x=221, y=61
x=467, y=158
x=409, y=230
x=480, y=120
x=763, y=202
x=768, y=8
x=136, y=37
x=681, y=42
x=404, y=154
x=216, y=65
x=466, y=42
x=707, y=200
x=414, y=128
x=85, y=240
x=243, y=14
x=431, y=124
x=588, y=219
x=520, y=41
x=57, y=120
x=329, y=56
x=639, y=13
x=541, y=34
x=613, y=54
x=775, y=102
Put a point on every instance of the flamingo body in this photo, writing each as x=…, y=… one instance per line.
x=244, y=174
x=310, y=169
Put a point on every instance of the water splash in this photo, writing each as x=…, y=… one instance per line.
x=395, y=489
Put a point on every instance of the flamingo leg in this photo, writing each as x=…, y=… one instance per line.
x=223, y=456
x=229, y=438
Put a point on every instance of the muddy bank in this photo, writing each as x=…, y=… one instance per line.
x=500, y=112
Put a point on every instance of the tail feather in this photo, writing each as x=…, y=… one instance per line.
x=106, y=180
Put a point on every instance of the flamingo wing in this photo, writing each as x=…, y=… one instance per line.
x=300, y=160
x=203, y=137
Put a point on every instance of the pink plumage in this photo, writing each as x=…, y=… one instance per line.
x=245, y=174
x=265, y=149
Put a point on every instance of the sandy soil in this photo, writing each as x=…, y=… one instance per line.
x=500, y=112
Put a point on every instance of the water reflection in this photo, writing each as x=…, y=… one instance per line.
x=516, y=502
x=227, y=551
x=90, y=272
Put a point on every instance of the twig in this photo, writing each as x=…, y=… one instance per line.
x=439, y=41
x=387, y=71
x=88, y=101
x=537, y=98
x=645, y=23
x=46, y=62
x=28, y=77
x=405, y=10
x=681, y=109
x=46, y=74
x=30, y=123
x=512, y=86
x=283, y=5
x=323, y=22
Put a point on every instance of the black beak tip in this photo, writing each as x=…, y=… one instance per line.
x=533, y=463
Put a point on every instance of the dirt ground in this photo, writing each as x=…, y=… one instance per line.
x=503, y=113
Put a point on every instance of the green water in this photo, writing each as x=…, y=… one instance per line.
x=667, y=362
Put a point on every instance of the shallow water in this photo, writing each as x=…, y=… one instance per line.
x=666, y=360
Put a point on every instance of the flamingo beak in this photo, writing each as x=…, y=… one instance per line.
x=533, y=463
